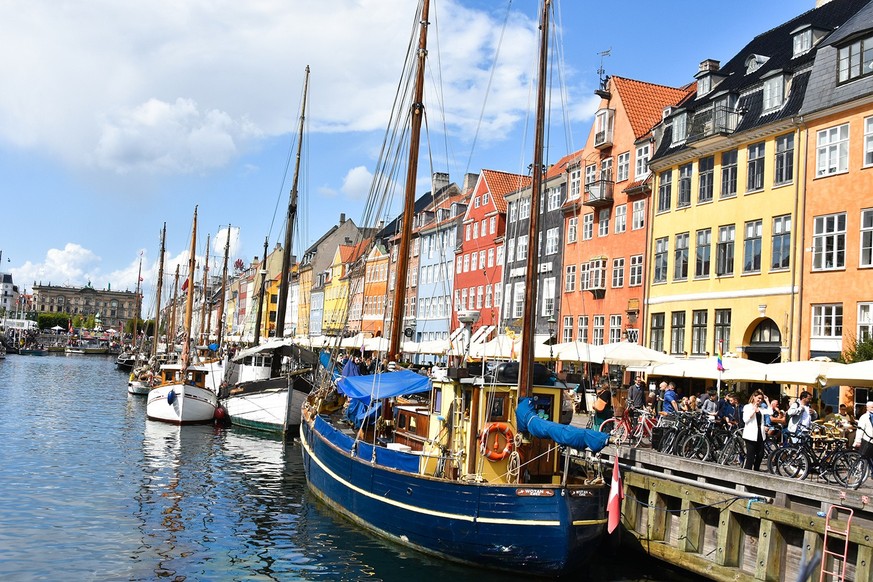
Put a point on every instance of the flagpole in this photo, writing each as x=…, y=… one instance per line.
x=720, y=366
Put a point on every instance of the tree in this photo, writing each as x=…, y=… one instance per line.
x=858, y=351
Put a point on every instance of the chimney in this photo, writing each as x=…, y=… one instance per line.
x=469, y=181
x=709, y=66
x=439, y=181
x=342, y=217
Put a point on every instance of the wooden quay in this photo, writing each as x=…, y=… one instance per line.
x=727, y=523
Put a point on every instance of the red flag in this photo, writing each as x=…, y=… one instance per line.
x=613, y=505
x=185, y=285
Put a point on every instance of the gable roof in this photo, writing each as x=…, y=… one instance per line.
x=502, y=183
x=644, y=102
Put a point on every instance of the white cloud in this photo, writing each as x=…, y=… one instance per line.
x=356, y=183
x=72, y=265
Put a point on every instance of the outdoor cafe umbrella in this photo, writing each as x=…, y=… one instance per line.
x=735, y=369
x=816, y=372
x=856, y=374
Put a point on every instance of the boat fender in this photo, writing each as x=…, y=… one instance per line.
x=493, y=453
x=220, y=413
x=171, y=397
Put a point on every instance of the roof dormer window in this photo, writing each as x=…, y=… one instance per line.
x=774, y=92
x=855, y=60
x=755, y=62
x=680, y=128
x=706, y=76
x=802, y=42
x=704, y=85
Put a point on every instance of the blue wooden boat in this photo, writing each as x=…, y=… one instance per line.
x=32, y=352
x=469, y=469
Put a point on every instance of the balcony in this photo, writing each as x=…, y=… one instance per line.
x=715, y=122
x=599, y=193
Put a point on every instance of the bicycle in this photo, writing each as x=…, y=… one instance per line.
x=634, y=425
x=815, y=451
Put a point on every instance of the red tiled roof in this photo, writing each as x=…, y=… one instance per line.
x=644, y=102
x=502, y=183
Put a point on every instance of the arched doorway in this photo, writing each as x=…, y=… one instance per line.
x=765, y=345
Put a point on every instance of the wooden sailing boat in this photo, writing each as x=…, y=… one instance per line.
x=142, y=378
x=188, y=393
x=465, y=469
x=271, y=379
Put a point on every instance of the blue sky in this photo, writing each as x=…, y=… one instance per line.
x=118, y=116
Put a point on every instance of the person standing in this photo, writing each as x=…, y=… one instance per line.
x=864, y=434
x=671, y=405
x=602, y=405
x=754, y=427
x=798, y=413
x=636, y=397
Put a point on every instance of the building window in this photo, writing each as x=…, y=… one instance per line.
x=583, y=329
x=466, y=263
x=599, y=325
x=704, y=85
x=620, y=218
x=752, y=247
x=724, y=253
x=656, y=337
x=755, y=176
x=554, y=199
x=642, y=162
x=665, y=190
x=832, y=150
x=617, y=273
x=635, y=278
x=781, y=242
x=552, y=241
x=524, y=209
x=680, y=257
x=784, y=160
x=513, y=212
x=705, y=167
x=802, y=43
x=492, y=224
x=702, y=253
x=567, y=329
x=722, y=331
x=868, y=141
x=570, y=278
x=865, y=321
x=855, y=60
x=680, y=128
x=490, y=258
x=603, y=222
x=548, y=292
x=728, y=174
x=614, y=328
x=698, y=331
x=827, y=321
x=661, y=248
x=575, y=184
x=867, y=238
x=677, y=332
x=572, y=225
x=683, y=198
x=623, y=167
x=774, y=93
x=638, y=220
x=521, y=248
x=518, y=300
x=590, y=174
x=588, y=226
x=583, y=276
x=597, y=274
x=829, y=242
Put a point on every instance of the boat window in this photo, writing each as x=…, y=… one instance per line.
x=543, y=403
x=401, y=421
x=497, y=409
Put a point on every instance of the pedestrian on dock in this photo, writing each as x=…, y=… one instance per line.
x=671, y=405
x=602, y=405
x=864, y=434
x=636, y=397
x=754, y=428
x=798, y=413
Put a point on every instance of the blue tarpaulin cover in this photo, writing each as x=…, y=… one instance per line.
x=563, y=434
x=387, y=385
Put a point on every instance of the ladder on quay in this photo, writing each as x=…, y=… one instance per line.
x=830, y=558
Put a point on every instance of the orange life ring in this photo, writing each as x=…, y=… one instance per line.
x=493, y=453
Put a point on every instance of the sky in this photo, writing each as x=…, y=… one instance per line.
x=118, y=116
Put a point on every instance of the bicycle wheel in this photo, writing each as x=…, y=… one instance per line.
x=794, y=463
x=668, y=442
x=850, y=469
x=773, y=460
x=645, y=436
x=617, y=430
x=730, y=453
x=696, y=446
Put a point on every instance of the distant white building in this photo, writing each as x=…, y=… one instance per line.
x=8, y=294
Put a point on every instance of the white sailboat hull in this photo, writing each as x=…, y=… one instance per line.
x=188, y=405
x=138, y=388
x=265, y=410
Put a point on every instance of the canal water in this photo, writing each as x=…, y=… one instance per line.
x=91, y=490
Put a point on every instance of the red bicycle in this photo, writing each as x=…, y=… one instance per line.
x=633, y=427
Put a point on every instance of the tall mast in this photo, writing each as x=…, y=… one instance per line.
x=526, y=361
x=136, y=301
x=263, y=273
x=203, y=295
x=285, y=274
x=220, y=329
x=417, y=113
x=171, y=331
x=189, y=298
x=160, y=288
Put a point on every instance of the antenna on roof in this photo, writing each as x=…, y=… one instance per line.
x=604, y=78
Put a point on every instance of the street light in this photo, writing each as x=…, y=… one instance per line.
x=469, y=318
x=552, y=330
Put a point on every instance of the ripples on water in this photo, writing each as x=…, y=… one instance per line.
x=91, y=490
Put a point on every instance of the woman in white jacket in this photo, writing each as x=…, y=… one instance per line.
x=754, y=429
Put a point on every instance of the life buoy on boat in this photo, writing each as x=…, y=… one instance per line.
x=493, y=453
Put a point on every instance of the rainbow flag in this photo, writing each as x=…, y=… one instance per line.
x=719, y=364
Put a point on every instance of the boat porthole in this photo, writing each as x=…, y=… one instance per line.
x=409, y=490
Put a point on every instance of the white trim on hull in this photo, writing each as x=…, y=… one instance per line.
x=138, y=388
x=265, y=410
x=190, y=404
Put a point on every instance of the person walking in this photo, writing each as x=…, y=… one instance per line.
x=754, y=428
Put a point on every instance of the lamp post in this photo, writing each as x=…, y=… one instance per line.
x=553, y=326
x=468, y=318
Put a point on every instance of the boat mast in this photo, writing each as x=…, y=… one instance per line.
x=263, y=272
x=203, y=294
x=136, y=302
x=189, y=298
x=171, y=331
x=285, y=275
x=417, y=114
x=526, y=361
x=220, y=329
x=160, y=288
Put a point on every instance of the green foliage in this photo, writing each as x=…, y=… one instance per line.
x=77, y=321
x=90, y=321
x=859, y=351
x=50, y=320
